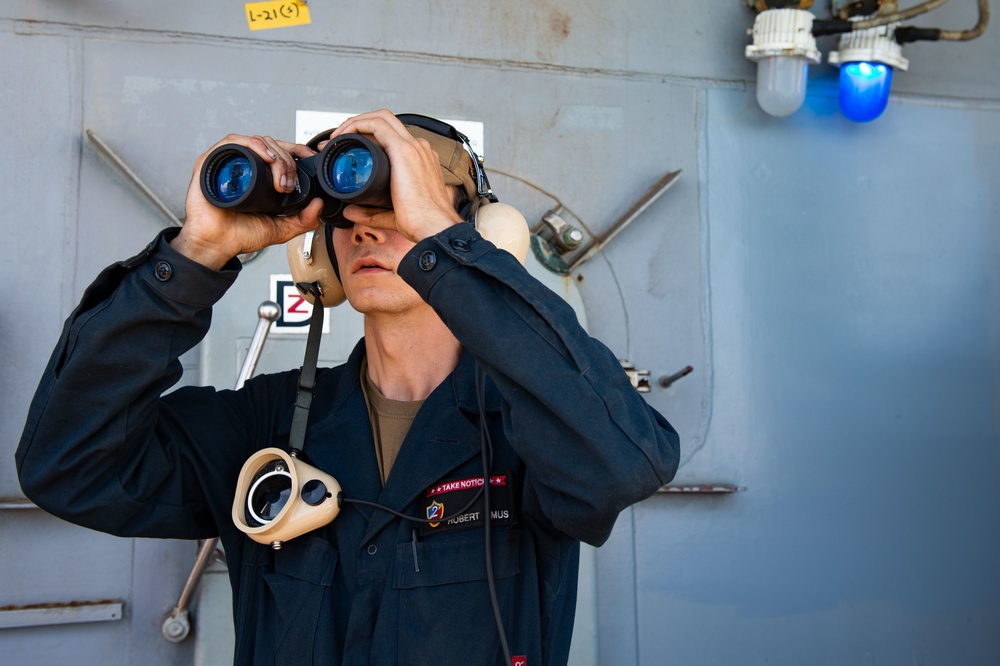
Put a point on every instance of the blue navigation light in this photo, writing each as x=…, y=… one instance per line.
x=864, y=90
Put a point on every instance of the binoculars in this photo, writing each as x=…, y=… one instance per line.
x=349, y=169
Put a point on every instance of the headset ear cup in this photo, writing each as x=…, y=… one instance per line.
x=504, y=226
x=317, y=267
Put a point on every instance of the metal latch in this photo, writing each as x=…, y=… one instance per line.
x=639, y=378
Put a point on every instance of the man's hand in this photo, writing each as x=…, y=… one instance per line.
x=422, y=203
x=212, y=236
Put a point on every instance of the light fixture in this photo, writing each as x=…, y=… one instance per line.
x=869, y=51
x=867, y=59
x=783, y=46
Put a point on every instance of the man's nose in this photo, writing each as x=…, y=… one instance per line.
x=363, y=233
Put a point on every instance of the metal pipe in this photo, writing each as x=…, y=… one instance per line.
x=16, y=504
x=702, y=489
x=267, y=313
x=49, y=614
x=972, y=33
x=177, y=625
x=105, y=151
x=200, y=564
x=904, y=15
x=667, y=380
x=644, y=202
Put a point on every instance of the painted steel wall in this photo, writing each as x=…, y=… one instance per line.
x=835, y=287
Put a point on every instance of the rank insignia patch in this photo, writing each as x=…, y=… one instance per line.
x=435, y=510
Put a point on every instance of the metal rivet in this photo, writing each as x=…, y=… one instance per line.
x=372, y=549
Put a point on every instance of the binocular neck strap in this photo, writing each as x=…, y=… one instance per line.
x=307, y=376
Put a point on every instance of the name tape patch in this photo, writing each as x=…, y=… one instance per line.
x=444, y=500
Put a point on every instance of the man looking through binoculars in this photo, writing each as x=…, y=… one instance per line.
x=473, y=387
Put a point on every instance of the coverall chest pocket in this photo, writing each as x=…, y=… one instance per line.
x=443, y=593
x=289, y=608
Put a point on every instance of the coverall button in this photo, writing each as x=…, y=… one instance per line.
x=164, y=271
x=460, y=244
x=428, y=260
x=372, y=549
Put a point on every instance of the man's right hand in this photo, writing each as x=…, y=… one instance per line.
x=213, y=236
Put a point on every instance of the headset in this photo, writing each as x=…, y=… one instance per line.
x=280, y=497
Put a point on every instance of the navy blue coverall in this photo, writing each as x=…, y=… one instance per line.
x=572, y=440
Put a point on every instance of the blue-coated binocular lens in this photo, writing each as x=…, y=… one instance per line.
x=351, y=169
x=233, y=178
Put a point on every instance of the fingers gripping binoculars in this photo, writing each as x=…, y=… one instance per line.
x=349, y=169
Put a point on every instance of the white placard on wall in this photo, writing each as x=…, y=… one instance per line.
x=296, y=311
x=310, y=123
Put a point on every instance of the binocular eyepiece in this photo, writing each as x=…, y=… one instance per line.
x=349, y=169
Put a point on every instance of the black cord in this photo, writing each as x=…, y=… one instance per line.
x=902, y=35
x=486, y=453
x=300, y=421
x=487, y=444
x=906, y=34
x=822, y=27
x=346, y=500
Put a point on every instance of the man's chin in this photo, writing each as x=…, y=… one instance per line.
x=373, y=300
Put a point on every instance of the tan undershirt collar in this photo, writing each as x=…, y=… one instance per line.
x=390, y=421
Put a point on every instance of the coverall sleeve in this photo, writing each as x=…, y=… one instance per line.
x=100, y=448
x=591, y=445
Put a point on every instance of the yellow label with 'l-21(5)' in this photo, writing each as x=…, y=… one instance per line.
x=276, y=14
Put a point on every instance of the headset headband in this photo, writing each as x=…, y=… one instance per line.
x=442, y=128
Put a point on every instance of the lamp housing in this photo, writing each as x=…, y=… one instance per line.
x=867, y=59
x=783, y=46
